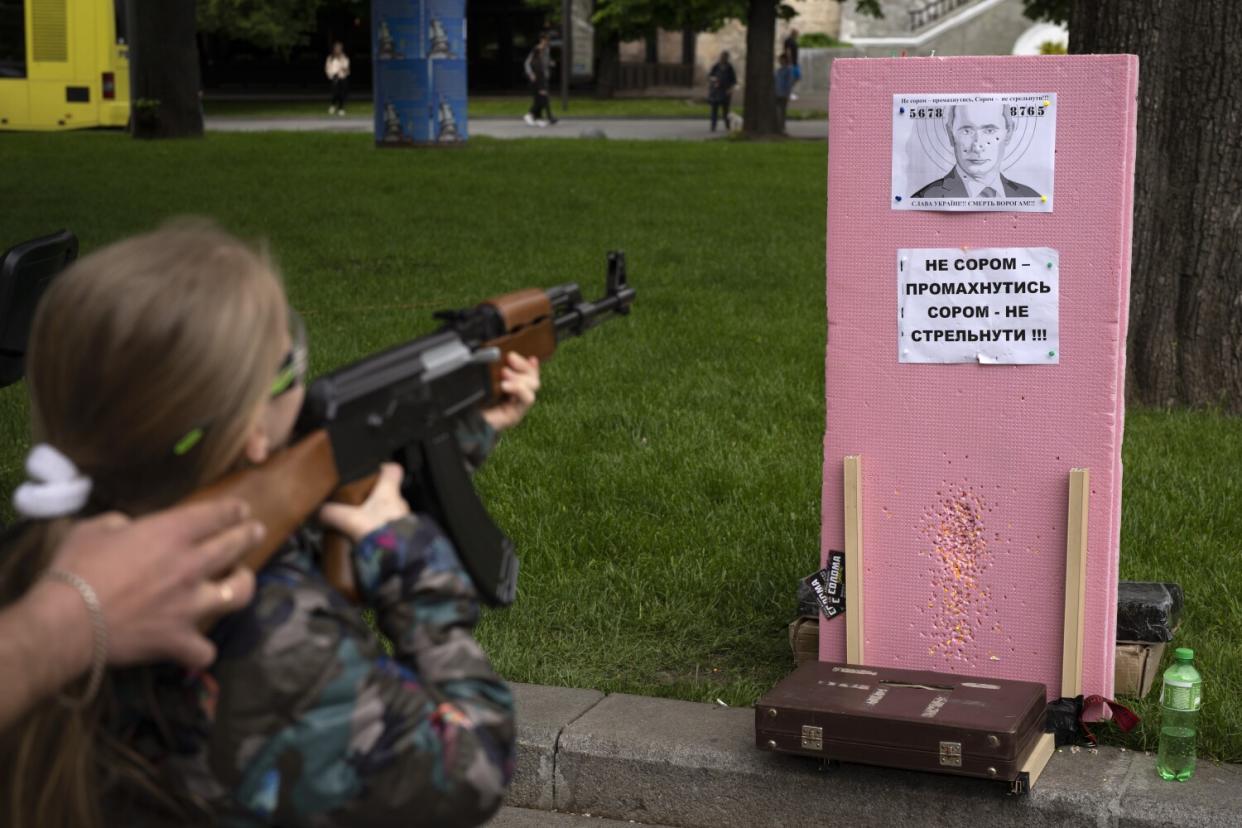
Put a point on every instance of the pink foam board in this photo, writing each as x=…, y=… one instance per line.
x=966, y=466
x=1127, y=247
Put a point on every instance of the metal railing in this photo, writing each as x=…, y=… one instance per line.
x=933, y=11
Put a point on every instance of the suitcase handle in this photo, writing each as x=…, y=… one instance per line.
x=946, y=688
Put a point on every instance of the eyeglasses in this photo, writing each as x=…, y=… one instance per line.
x=290, y=374
x=292, y=371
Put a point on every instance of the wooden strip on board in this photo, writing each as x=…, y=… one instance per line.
x=1075, y=582
x=1038, y=759
x=853, y=560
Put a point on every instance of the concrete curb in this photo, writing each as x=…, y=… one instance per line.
x=623, y=129
x=543, y=713
x=510, y=817
x=668, y=762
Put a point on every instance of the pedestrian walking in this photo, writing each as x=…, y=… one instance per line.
x=337, y=69
x=538, y=68
x=791, y=49
x=721, y=81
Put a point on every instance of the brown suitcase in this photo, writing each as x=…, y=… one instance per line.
x=911, y=719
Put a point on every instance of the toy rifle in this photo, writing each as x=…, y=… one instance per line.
x=404, y=405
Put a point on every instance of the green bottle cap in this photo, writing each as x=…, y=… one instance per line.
x=1184, y=654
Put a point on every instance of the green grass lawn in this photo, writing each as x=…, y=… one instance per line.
x=665, y=492
x=494, y=106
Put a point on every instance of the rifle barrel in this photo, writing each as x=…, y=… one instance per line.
x=585, y=315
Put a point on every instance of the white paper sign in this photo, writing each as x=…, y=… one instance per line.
x=960, y=152
x=991, y=305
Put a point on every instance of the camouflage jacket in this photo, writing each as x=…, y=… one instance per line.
x=305, y=720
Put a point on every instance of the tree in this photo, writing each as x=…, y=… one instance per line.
x=163, y=69
x=759, y=93
x=278, y=25
x=617, y=21
x=759, y=98
x=1185, y=338
x=1054, y=11
x=163, y=51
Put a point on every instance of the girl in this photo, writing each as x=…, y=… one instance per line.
x=336, y=67
x=156, y=365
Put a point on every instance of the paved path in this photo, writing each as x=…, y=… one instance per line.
x=527, y=818
x=633, y=129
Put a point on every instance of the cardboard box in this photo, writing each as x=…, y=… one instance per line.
x=804, y=639
x=1137, y=667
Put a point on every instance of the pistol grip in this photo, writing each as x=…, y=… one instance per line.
x=338, y=563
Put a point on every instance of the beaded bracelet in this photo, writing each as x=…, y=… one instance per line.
x=99, y=656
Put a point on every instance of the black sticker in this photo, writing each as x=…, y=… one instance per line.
x=829, y=585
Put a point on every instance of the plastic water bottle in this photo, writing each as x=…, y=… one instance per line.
x=1181, y=696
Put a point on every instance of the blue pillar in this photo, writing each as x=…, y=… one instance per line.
x=418, y=51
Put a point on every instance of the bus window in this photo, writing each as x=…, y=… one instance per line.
x=12, y=39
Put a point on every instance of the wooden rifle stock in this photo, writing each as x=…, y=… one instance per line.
x=338, y=550
x=286, y=490
x=282, y=492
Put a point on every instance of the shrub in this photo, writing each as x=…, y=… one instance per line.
x=818, y=40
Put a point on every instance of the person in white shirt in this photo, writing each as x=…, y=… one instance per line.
x=337, y=70
x=980, y=134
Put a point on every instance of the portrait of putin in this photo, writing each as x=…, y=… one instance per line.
x=979, y=134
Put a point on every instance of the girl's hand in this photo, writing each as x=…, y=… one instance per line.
x=519, y=380
x=384, y=505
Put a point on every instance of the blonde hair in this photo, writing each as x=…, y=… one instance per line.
x=132, y=348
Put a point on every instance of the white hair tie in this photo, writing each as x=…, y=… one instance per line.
x=56, y=487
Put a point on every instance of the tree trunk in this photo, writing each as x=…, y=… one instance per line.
x=163, y=69
x=1185, y=340
x=609, y=73
x=759, y=98
x=688, y=39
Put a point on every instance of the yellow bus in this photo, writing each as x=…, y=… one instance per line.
x=63, y=64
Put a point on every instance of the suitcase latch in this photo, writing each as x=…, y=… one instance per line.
x=812, y=737
x=951, y=754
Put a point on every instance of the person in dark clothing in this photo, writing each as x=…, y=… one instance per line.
x=791, y=49
x=784, y=85
x=721, y=81
x=538, y=68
